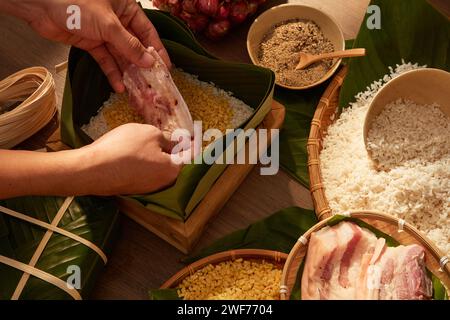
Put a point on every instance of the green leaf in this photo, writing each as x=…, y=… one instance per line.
x=439, y=292
x=300, y=107
x=411, y=30
x=172, y=28
x=94, y=219
x=278, y=232
x=349, y=43
x=163, y=294
x=88, y=88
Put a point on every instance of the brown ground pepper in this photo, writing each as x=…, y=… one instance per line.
x=280, y=48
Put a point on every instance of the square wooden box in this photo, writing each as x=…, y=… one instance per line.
x=184, y=234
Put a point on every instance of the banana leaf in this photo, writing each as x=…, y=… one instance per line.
x=163, y=294
x=300, y=107
x=277, y=232
x=87, y=88
x=280, y=232
x=410, y=29
x=95, y=219
x=165, y=23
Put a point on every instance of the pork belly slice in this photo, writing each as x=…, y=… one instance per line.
x=394, y=273
x=333, y=259
x=318, y=267
x=386, y=268
x=368, y=279
x=349, y=262
x=404, y=275
x=342, y=285
x=155, y=96
x=349, y=236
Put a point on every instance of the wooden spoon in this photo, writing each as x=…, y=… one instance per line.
x=307, y=59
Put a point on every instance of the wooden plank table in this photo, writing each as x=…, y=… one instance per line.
x=141, y=260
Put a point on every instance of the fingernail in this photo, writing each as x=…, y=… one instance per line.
x=146, y=60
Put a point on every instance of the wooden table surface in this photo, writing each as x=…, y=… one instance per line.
x=141, y=260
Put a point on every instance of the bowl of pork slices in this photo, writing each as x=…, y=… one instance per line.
x=365, y=255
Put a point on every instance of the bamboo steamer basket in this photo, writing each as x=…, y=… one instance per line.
x=325, y=114
x=278, y=259
x=398, y=229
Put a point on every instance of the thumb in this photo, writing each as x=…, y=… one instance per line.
x=128, y=45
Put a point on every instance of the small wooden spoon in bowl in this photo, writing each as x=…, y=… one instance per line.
x=306, y=59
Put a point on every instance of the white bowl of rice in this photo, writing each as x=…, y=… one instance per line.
x=392, y=134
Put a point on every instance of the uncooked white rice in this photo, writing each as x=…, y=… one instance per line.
x=97, y=125
x=406, y=131
x=417, y=191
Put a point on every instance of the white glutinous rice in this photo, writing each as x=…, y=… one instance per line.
x=406, y=131
x=114, y=112
x=416, y=187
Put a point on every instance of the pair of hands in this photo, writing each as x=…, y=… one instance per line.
x=132, y=158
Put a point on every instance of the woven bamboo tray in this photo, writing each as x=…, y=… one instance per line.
x=325, y=114
x=274, y=257
x=398, y=229
x=184, y=234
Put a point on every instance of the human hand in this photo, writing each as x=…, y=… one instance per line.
x=112, y=31
x=131, y=159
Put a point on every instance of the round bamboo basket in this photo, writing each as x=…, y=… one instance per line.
x=325, y=114
x=398, y=229
x=274, y=257
x=32, y=99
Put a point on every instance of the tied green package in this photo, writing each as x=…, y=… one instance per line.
x=53, y=258
x=87, y=89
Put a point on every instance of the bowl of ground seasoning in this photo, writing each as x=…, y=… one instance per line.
x=277, y=37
